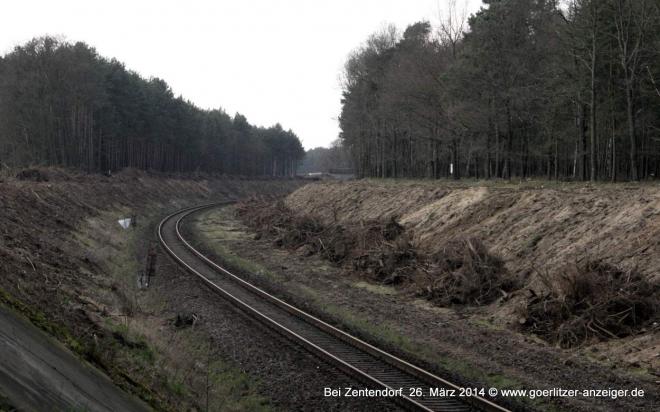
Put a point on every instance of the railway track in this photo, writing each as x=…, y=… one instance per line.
x=373, y=367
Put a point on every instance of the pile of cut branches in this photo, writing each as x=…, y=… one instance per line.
x=379, y=249
x=292, y=231
x=591, y=301
x=277, y=221
x=385, y=253
x=466, y=272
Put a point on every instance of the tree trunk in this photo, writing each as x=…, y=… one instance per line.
x=583, y=140
x=631, y=130
x=592, y=108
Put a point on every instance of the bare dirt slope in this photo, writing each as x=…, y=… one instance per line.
x=532, y=228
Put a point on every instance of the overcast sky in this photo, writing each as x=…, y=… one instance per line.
x=271, y=60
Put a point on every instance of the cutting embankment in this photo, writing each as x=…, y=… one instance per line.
x=68, y=267
x=559, y=285
x=570, y=263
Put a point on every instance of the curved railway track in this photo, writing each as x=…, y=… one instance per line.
x=375, y=368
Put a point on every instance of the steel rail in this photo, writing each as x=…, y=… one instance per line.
x=355, y=367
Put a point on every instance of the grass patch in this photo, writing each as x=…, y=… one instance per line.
x=374, y=288
x=212, y=232
x=176, y=387
x=484, y=323
x=233, y=390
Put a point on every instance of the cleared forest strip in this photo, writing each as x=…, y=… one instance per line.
x=67, y=264
x=532, y=226
x=584, y=261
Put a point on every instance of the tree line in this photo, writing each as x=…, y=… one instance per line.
x=521, y=88
x=63, y=104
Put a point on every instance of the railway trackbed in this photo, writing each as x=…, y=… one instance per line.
x=412, y=387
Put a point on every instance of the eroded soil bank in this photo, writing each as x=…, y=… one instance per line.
x=534, y=231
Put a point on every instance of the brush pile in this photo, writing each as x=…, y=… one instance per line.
x=591, y=301
x=464, y=272
x=381, y=250
x=385, y=253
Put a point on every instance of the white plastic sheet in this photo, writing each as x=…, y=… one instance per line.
x=125, y=223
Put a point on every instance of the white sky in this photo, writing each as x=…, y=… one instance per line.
x=273, y=61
